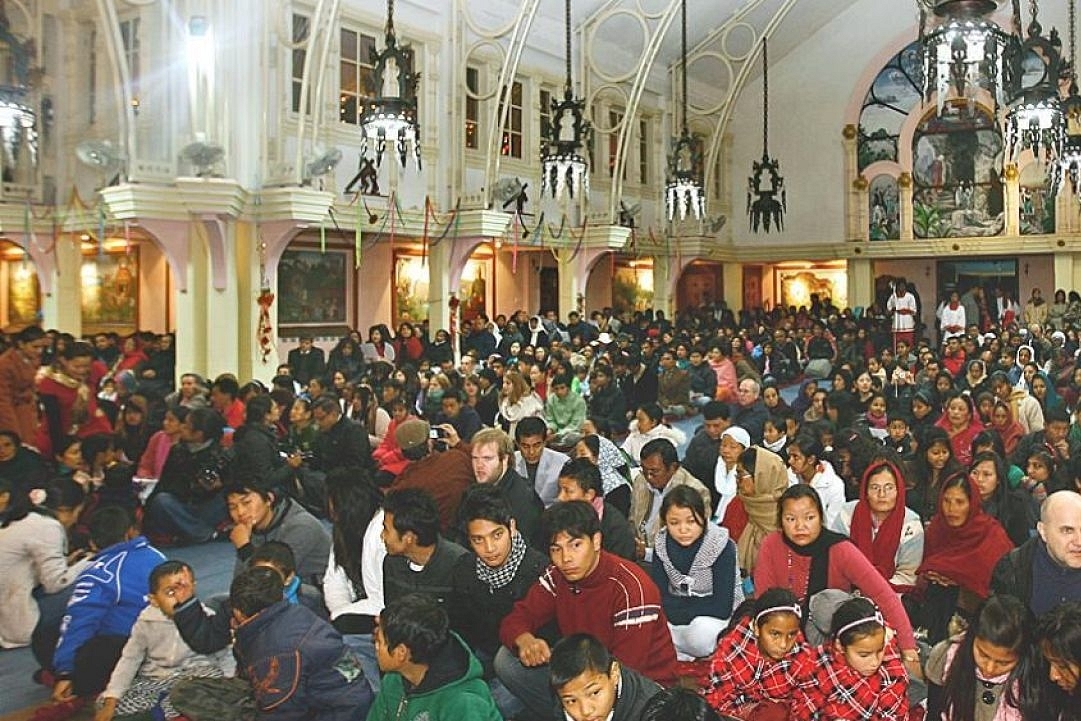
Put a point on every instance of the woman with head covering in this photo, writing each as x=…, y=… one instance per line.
x=1006, y=426
x=761, y=479
x=613, y=466
x=885, y=530
x=962, y=424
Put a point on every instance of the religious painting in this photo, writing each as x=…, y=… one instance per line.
x=1037, y=202
x=110, y=292
x=24, y=293
x=893, y=94
x=797, y=286
x=956, y=169
x=885, y=212
x=314, y=288
x=632, y=286
x=411, y=288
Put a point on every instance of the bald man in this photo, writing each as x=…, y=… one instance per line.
x=1046, y=570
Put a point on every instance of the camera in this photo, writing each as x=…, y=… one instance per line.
x=436, y=433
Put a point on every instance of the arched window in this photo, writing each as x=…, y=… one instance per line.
x=893, y=95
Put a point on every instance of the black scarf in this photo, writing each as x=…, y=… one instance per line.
x=819, y=551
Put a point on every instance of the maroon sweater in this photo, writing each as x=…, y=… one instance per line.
x=618, y=603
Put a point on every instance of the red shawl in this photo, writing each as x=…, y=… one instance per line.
x=968, y=554
x=880, y=549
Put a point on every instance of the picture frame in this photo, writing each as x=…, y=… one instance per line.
x=315, y=288
x=110, y=291
x=23, y=293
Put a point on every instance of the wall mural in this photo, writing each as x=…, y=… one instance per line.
x=1037, y=202
x=314, y=288
x=110, y=292
x=893, y=94
x=885, y=205
x=632, y=287
x=957, y=168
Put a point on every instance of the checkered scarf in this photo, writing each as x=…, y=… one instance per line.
x=740, y=675
x=836, y=691
x=500, y=577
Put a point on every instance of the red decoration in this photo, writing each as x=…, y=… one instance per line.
x=264, y=331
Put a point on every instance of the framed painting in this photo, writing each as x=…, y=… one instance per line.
x=23, y=293
x=314, y=288
x=411, y=287
x=110, y=292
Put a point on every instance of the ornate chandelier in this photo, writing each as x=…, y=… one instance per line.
x=392, y=113
x=1068, y=167
x=766, y=183
x=684, y=190
x=964, y=53
x=1035, y=120
x=564, y=165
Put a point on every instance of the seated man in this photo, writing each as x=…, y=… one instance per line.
x=341, y=443
x=565, y=413
x=442, y=466
x=296, y=662
x=491, y=579
x=659, y=474
x=580, y=480
x=108, y=596
x=673, y=387
x=491, y=455
x=458, y=414
x=536, y=462
x=418, y=559
x=585, y=590
x=591, y=684
x=430, y=673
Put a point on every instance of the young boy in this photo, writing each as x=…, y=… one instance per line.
x=156, y=657
x=897, y=436
x=775, y=435
x=591, y=684
x=580, y=480
x=296, y=662
x=429, y=672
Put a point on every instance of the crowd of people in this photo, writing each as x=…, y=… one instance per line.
x=619, y=517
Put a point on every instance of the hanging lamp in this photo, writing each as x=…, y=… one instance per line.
x=684, y=189
x=765, y=183
x=964, y=53
x=1034, y=120
x=392, y=114
x=1067, y=168
x=564, y=150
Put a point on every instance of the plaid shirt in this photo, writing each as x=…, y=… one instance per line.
x=740, y=675
x=834, y=691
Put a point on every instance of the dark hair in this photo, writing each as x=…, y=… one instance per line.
x=574, y=655
x=796, y=492
x=78, y=349
x=255, y=589
x=585, y=473
x=577, y=519
x=418, y=622
x=991, y=438
x=61, y=492
x=678, y=704
x=1002, y=489
x=227, y=384
x=109, y=525
x=163, y=569
x=653, y=411
x=485, y=502
x=208, y=421
x=685, y=497
x=1057, y=631
x=858, y=611
x=531, y=426
x=64, y=443
x=593, y=443
x=1002, y=621
x=415, y=511
x=809, y=446
x=352, y=501
x=660, y=447
x=258, y=408
x=563, y=379
x=244, y=483
x=95, y=444
x=277, y=554
x=326, y=404
x=29, y=334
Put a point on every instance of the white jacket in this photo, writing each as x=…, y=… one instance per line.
x=338, y=592
x=33, y=552
x=830, y=487
x=909, y=551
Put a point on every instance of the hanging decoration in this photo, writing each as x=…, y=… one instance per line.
x=564, y=152
x=1067, y=170
x=765, y=183
x=964, y=53
x=392, y=114
x=1034, y=120
x=684, y=190
x=264, y=329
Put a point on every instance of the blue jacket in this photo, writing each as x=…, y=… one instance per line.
x=299, y=668
x=107, y=598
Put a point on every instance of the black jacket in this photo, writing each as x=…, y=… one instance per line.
x=701, y=461
x=345, y=445
x=1012, y=574
x=435, y=579
x=192, y=476
x=256, y=456
x=307, y=366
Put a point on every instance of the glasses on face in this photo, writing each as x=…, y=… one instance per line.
x=881, y=490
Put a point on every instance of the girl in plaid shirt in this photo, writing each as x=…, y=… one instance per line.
x=758, y=664
x=858, y=674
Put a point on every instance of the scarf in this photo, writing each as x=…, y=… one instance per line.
x=770, y=481
x=496, y=578
x=968, y=554
x=80, y=406
x=609, y=459
x=698, y=580
x=880, y=548
x=819, y=552
x=292, y=591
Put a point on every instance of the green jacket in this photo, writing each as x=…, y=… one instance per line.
x=565, y=414
x=453, y=689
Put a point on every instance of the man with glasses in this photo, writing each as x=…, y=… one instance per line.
x=659, y=474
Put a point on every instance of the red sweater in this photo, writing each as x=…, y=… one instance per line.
x=778, y=567
x=617, y=603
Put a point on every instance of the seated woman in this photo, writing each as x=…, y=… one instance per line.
x=606, y=456
x=962, y=424
x=20, y=465
x=961, y=548
x=1011, y=508
x=648, y=424
x=935, y=462
x=806, y=558
x=694, y=566
x=752, y=515
x=807, y=464
x=886, y=531
x=1050, y=690
x=157, y=449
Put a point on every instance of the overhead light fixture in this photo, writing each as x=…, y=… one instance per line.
x=1035, y=120
x=766, y=184
x=1067, y=169
x=392, y=114
x=964, y=53
x=684, y=189
x=564, y=166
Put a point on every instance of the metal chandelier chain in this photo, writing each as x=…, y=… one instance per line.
x=684, y=68
x=765, y=98
x=567, y=38
x=1073, y=40
x=390, y=17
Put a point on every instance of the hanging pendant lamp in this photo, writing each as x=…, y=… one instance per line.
x=392, y=114
x=564, y=150
x=765, y=183
x=684, y=189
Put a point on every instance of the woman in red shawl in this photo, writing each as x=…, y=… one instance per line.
x=962, y=424
x=883, y=528
x=70, y=404
x=962, y=546
x=132, y=356
x=1006, y=426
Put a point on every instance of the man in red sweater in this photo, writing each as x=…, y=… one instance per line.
x=585, y=590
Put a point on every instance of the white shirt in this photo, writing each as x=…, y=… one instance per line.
x=902, y=322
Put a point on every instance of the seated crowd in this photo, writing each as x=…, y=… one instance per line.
x=518, y=528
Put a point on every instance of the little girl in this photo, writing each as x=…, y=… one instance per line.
x=876, y=412
x=857, y=673
x=1038, y=471
x=758, y=664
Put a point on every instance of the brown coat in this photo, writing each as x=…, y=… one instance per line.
x=18, y=398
